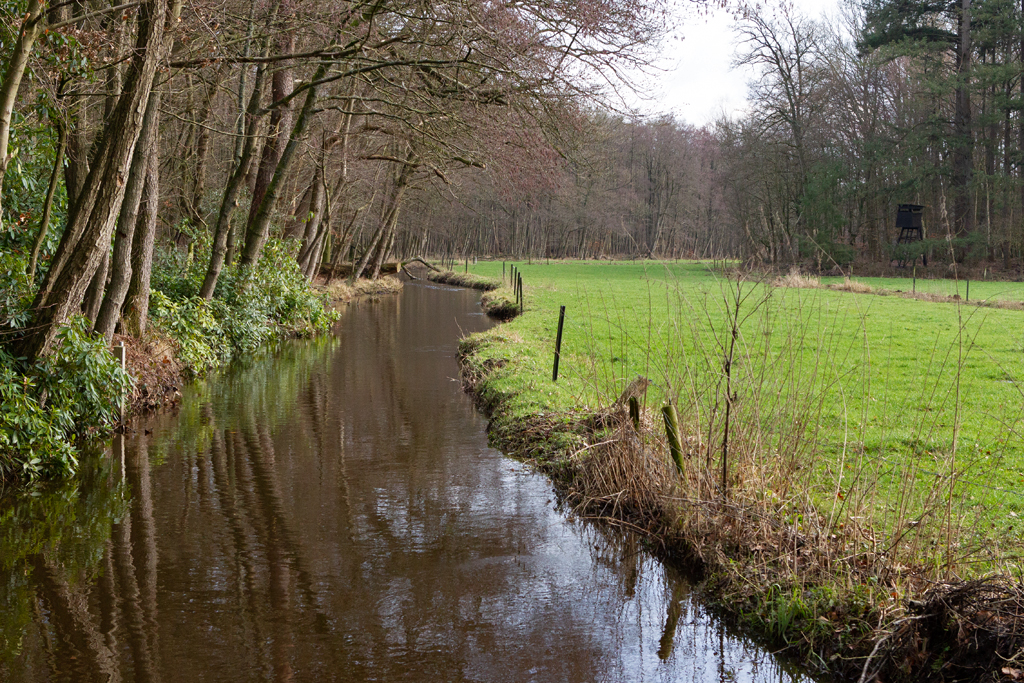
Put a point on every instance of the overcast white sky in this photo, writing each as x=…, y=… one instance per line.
x=697, y=82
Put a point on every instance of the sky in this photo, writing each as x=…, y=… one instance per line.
x=695, y=79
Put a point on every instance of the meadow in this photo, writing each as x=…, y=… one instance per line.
x=899, y=417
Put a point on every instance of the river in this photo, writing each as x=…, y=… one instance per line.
x=332, y=512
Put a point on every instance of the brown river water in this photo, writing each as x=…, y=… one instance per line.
x=332, y=512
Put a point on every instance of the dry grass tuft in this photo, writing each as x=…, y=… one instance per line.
x=848, y=285
x=468, y=280
x=342, y=290
x=621, y=478
x=796, y=280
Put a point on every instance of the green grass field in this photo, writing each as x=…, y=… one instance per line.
x=882, y=406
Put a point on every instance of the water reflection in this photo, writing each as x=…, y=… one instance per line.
x=334, y=514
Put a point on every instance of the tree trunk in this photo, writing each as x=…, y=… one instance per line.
x=963, y=145
x=91, y=219
x=51, y=189
x=280, y=120
x=121, y=264
x=220, y=249
x=77, y=167
x=389, y=218
x=312, y=232
x=195, y=194
x=259, y=227
x=386, y=246
x=387, y=240
x=98, y=283
x=135, y=311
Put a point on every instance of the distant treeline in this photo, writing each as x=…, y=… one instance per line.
x=890, y=103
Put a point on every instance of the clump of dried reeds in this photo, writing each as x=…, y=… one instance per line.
x=623, y=477
x=848, y=285
x=342, y=290
x=795, y=279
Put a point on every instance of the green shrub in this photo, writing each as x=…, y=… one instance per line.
x=192, y=324
x=251, y=306
x=15, y=291
x=47, y=407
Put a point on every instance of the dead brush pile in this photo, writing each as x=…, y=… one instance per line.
x=972, y=631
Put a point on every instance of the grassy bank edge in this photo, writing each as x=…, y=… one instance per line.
x=851, y=622
x=498, y=301
x=343, y=291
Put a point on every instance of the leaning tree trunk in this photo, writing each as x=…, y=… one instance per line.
x=31, y=27
x=259, y=227
x=386, y=246
x=281, y=85
x=94, y=292
x=320, y=241
x=91, y=219
x=121, y=263
x=311, y=232
x=135, y=310
x=390, y=216
x=222, y=230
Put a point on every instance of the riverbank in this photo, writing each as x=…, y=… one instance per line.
x=343, y=291
x=498, y=301
x=867, y=574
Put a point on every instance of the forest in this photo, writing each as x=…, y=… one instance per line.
x=195, y=167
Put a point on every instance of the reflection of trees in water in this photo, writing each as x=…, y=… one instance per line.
x=685, y=630
x=89, y=569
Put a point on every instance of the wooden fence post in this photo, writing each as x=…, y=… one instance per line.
x=634, y=412
x=119, y=354
x=558, y=343
x=675, y=444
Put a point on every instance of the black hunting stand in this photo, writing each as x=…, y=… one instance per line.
x=910, y=221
